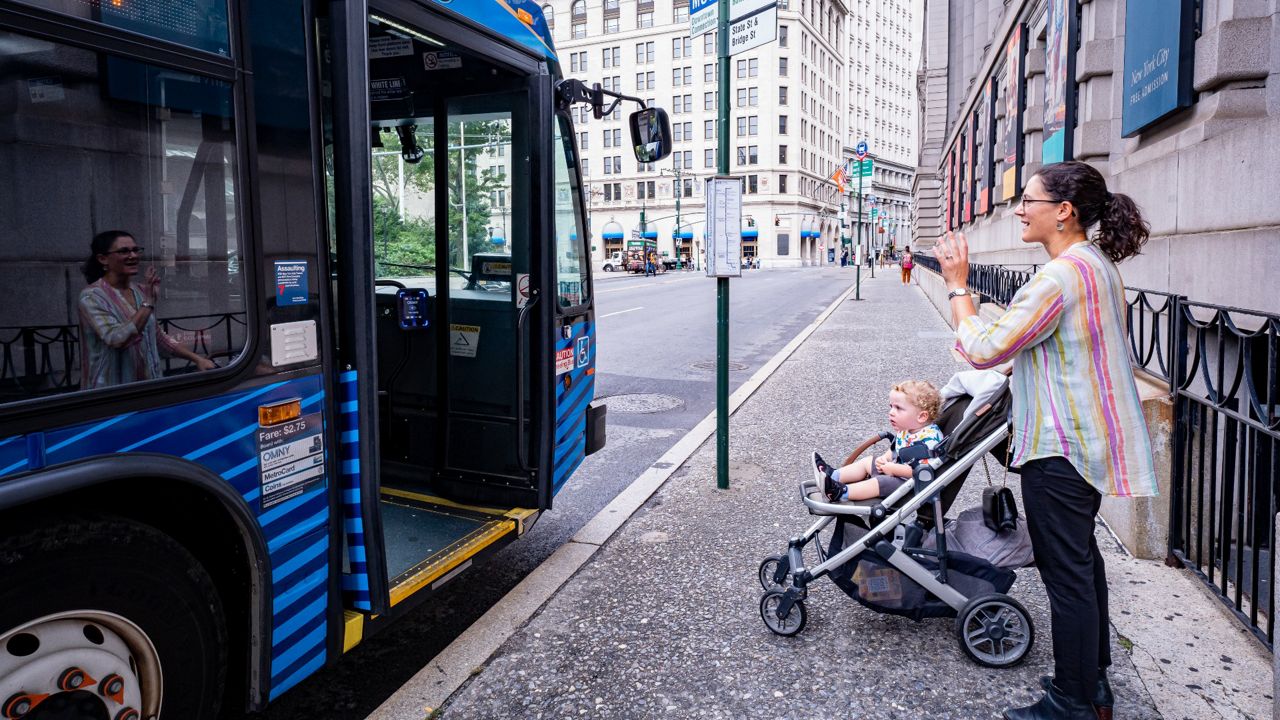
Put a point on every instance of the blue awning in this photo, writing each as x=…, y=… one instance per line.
x=649, y=234
x=686, y=235
x=498, y=240
x=750, y=232
x=612, y=236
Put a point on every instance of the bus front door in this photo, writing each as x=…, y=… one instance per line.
x=460, y=125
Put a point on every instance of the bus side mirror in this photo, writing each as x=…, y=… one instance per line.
x=651, y=134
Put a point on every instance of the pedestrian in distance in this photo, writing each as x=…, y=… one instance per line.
x=1078, y=428
x=908, y=263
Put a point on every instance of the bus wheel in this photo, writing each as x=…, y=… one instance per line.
x=107, y=618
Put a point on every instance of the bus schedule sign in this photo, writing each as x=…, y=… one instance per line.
x=290, y=458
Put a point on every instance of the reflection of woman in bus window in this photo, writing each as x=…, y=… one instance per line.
x=119, y=340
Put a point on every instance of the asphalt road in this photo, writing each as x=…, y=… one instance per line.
x=656, y=361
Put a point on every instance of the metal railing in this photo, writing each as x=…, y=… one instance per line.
x=1226, y=456
x=1223, y=369
x=45, y=359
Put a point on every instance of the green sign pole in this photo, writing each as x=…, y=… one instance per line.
x=857, y=294
x=722, y=283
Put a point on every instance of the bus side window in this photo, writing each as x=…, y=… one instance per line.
x=143, y=159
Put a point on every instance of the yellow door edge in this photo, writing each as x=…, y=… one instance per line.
x=441, y=564
x=353, y=629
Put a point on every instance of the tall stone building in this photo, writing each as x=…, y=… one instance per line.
x=1196, y=157
x=787, y=113
x=883, y=48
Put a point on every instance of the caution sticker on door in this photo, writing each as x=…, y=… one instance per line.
x=464, y=340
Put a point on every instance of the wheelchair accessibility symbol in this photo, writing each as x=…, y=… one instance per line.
x=583, y=351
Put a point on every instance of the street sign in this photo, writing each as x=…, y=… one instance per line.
x=739, y=9
x=861, y=150
x=753, y=31
x=871, y=199
x=635, y=233
x=865, y=167
x=724, y=226
x=703, y=16
x=874, y=213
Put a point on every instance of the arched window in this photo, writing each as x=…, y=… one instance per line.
x=579, y=9
x=549, y=13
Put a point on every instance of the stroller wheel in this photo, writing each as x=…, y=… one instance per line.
x=995, y=631
x=787, y=625
x=770, y=569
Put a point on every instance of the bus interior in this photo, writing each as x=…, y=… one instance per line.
x=451, y=192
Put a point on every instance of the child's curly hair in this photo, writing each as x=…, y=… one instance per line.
x=923, y=394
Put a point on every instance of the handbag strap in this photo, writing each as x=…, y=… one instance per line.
x=1004, y=480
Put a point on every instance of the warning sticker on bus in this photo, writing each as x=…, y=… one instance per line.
x=290, y=458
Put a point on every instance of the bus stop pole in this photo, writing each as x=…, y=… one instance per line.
x=722, y=283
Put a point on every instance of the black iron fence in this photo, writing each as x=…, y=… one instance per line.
x=45, y=360
x=1223, y=369
x=1226, y=456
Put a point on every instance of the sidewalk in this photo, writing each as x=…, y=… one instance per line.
x=663, y=619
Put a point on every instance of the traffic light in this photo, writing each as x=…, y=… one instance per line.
x=777, y=221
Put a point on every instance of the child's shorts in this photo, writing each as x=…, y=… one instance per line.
x=885, y=483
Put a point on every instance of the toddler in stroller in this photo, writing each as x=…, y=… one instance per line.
x=913, y=407
x=877, y=552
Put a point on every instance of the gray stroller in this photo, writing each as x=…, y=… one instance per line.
x=890, y=554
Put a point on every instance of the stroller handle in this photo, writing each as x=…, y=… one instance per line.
x=884, y=435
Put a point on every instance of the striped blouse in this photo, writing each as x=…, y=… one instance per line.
x=1074, y=394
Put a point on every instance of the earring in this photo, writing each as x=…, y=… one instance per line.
x=1061, y=227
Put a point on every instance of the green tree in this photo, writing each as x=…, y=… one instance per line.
x=400, y=238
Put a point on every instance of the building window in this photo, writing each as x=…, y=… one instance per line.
x=782, y=36
x=579, y=31
x=549, y=13
x=782, y=124
x=742, y=155
x=709, y=44
x=681, y=14
x=782, y=154
x=753, y=154
x=782, y=67
x=582, y=140
x=709, y=129
x=709, y=158
x=612, y=56
x=578, y=10
x=782, y=184
x=644, y=190
x=644, y=53
x=782, y=94
x=644, y=19
x=753, y=125
x=709, y=72
x=682, y=47
x=753, y=184
x=610, y=25
x=742, y=127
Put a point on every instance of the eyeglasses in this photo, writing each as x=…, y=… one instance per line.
x=135, y=250
x=1026, y=200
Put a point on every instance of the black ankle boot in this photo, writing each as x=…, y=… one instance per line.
x=1055, y=705
x=1103, y=700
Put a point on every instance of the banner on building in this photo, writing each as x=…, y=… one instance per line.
x=986, y=113
x=1014, y=91
x=949, y=176
x=1059, y=82
x=975, y=170
x=966, y=187
x=1159, y=58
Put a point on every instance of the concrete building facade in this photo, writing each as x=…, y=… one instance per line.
x=787, y=114
x=884, y=41
x=1200, y=175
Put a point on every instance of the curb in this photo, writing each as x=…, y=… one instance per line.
x=465, y=657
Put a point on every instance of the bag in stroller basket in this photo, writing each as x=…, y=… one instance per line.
x=879, y=586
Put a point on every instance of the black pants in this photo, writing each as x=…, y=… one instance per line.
x=1061, y=507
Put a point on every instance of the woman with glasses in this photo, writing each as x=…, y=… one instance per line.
x=119, y=339
x=1078, y=432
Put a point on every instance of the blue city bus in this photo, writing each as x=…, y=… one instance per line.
x=295, y=326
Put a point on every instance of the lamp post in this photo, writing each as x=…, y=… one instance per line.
x=678, y=188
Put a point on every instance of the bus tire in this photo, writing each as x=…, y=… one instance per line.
x=99, y=570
